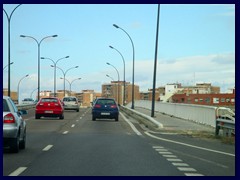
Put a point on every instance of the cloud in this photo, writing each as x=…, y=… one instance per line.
x=218, y=69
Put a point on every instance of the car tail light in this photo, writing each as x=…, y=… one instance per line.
x=9, y=118
x=113, y=106
x=97, y=106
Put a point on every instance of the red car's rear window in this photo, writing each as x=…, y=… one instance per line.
x=49, y=100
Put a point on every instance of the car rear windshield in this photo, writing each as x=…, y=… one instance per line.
x=69, y=99
x=49, y=100
x=106, y=102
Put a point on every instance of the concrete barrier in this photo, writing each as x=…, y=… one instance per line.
x=142, y=118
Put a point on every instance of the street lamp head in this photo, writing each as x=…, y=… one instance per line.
x=22, y=36
x=11, y=63
x=54, y=35
x=108, y=63
x=43, y=58
x=67, y=57
x=52, y=65
x=76, y=66
x=107, y=75
x=27, y=75
x=116, y=26
x=111, y=47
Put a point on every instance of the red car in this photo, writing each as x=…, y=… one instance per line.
x=49, y=107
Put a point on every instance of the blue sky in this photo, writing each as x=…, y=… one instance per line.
x=196, y=44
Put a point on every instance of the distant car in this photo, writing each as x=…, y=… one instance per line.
x=14, y=126
x=28, y=101
x=49, y=107
x=71, y=103
x=105, y=108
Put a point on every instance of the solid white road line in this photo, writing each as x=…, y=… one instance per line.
x=189, y=145
x=131, y=125
x=18, y=171
x=47, y=147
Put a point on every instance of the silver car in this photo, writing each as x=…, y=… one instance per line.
x=71, y=103
x=14, y=127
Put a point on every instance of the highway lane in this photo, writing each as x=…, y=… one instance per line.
x=79, y=146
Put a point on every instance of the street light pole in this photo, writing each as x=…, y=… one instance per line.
x=155, y=65
x=32, y=92
x=110, y=77
x=107, y=92
x=124, y=82
x=118, y=81
x=55, y=64
x=64, y=74
x=116, y=26
x=7, y=65
x=9, y=47
x=19, y=84
x=38, y=43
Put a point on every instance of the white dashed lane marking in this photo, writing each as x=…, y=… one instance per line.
x=178, y=163
x=48, y=147
x=18, y=171
x=65, y=132
x=73, y=125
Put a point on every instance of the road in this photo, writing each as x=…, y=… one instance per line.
x=78, y=146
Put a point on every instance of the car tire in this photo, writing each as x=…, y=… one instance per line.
x=77, y=110
x=93, y=118
x=37, y=116
x=61, y=116
x=22, y=143
x=15, y=145
x=116, y=118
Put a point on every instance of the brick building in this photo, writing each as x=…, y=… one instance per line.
x=227, y=99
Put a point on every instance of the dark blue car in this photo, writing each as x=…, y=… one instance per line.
x=105, y=108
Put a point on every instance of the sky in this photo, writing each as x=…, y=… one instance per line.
x=196, y=43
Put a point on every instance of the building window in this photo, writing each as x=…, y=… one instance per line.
x=182, y=99
x=227, y=100
x=189, y=100
x=196, y=99
x=233, y=100
x=215, y=100
x=200, y=100
x=222, y=100
x=207, y=100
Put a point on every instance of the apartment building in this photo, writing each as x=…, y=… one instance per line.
x=115, y=89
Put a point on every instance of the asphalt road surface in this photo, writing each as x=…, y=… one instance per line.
x=78, y=146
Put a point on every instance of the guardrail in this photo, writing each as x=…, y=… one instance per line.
x=227, y=126
x=143, y=118
x=25, y=106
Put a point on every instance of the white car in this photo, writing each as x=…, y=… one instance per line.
x=28, y=101
x=14, y=126
x=70, y=103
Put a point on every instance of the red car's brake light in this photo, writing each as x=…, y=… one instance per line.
x=97, y=106
x=9, y=118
